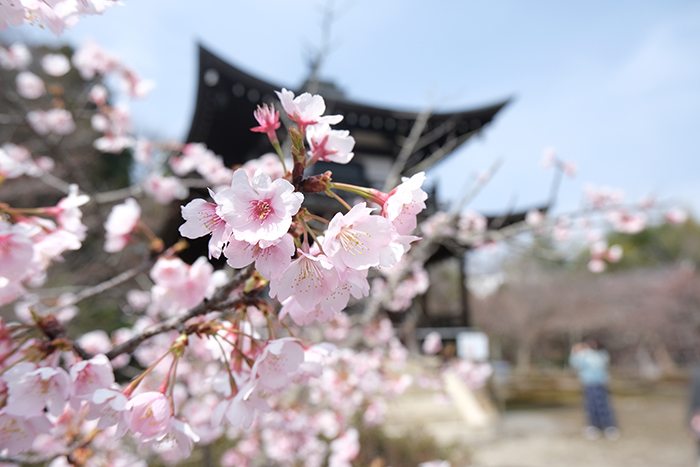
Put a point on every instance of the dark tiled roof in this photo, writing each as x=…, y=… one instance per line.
x=227, y=96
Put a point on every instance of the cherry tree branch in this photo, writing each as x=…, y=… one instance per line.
x=407, y=149
x=220, y=297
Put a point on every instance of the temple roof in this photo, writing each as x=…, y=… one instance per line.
x=227, y=96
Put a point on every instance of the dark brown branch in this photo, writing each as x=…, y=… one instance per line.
x=220, y=298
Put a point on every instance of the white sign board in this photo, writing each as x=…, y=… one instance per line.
x=473, y=345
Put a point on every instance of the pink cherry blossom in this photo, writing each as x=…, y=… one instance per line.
x=68, y=214
x=15, y=57
x=55, y=64
x=344, y=449
x=676, y=216
x=306, y=109
x=329, y=303
x=260, y=209
x=165, y=189
x=203, y=218
x=177, y=443
x=358, y=239
x=180, y=285
x=432, y=343
x=240, y=410
x=16, y=250
x=278, y=362
x=404, y=203
x=109, y=406
x=601, y=254
x=195, y=156
x=17, y=434
x=148, y=415
x=534, y=218
x=303, y=316
x=268, y=121
x=271, y=258
x=471, y=222
x=309, y=279
x=11, y=14
x=29, y=85
x=120, y=224
x=31, y=389
x=98, y=94
x=600, y=197
x=135, y=85
x=627, y=222
x=90, y=375
x=95, y=342
x=55, y=121
x=330, y=145
x=268, y=163
x=92, y=60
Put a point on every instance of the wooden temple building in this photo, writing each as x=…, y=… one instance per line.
x=223, y=116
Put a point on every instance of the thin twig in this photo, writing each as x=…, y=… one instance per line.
x=205, y=307
x=101, y=287
x=409, y=145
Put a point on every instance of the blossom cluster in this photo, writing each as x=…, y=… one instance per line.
x=34, y=238
x=55, y=15
x=314, y=265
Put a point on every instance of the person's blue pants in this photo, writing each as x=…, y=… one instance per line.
x=598, y=409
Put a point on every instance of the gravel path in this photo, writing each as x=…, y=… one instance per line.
x=653, y=435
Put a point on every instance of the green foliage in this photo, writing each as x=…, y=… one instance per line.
x=659, y=245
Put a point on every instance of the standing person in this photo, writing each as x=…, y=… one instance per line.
x=591, y=361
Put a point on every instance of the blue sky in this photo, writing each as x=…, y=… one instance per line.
x=613, y=86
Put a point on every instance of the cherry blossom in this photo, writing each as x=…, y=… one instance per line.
x=403, y=204
x=88, y=376
x=120, y=224
x=432, y=343
x=55, y=64
x=268, y=121
x=329, y=145
x=16, y=250
x=306, y=109
x=16, y=57
x=601, y=254
x=268, y=163
x=278, y=363
x=29, y=85
x=204, y=218
x=309, y=279
x=259, y=209
x=676, y=216
x=358, y=239
x=627, y=222
x=148, y=415
x=181, y=286
x=54, y=121
x=270, y=258
x=30, y=389
x=165, y=189
x=240, y=411
x=109, y=407
x=344, y=449
x=17, y=434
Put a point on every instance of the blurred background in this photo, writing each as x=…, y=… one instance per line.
x=613, y=88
